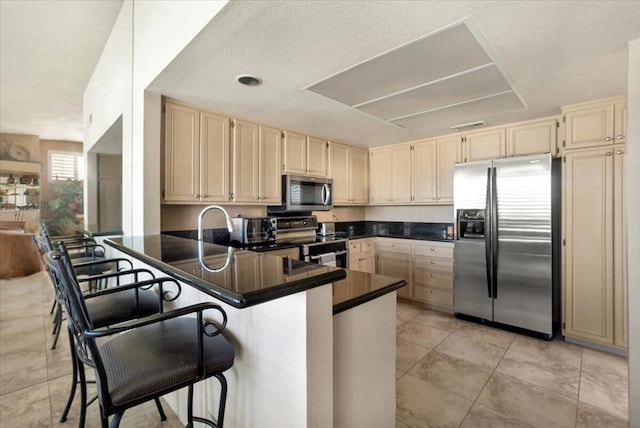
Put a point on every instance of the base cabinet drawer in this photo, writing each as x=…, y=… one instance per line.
x=429, y=278
x=433, y=295
x=440, y=265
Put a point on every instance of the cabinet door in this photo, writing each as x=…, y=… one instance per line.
x=398, y=266
x=246, y=161
x=317, y=157
x=368, y=263
x=380, y=176
x=589, y=127
x=294, y=153
x=531, y=138
x=588, y=194
x=181, y=153
x=339, y=172
x=358, y=176
x=621, y=334
x=485, y=145
x=620, y=122
x=401, y=174
x=448, y=152
x=270, y=182
x=424, y=172
x=214, y=158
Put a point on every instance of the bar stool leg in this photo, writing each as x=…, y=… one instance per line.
x=163, y=417
x=74, y=380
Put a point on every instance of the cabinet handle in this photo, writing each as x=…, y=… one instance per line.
x=433, y=249
x=434, y=198
x=619, y=137
x=608, y=139
x=433, y=262
x=438, y=198
x=619, y=152
x=196, y=196
x=608, y=154
x=408, y=260
x=432, y=292
x=431, y=275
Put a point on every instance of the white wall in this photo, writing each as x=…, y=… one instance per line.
x=146, y=37
x=632, y=204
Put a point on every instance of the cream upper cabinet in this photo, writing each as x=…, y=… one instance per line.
x=317, y=157
x=448, y=153
x=621, y=321
x=484, y=145
x=305, y=155
x=424, y=172
x=270, y=181
x=588, y=254
x=595, y=123
x=246, y=163
x=181, y=153
x=400, y=173
x=256, y=161
x=214, y=157
x=196, y=155
x=380, y=175
x=533, y=137
x=348, y=167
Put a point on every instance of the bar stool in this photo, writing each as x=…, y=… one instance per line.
x=157, y=355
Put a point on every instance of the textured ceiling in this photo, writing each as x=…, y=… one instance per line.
x=552, y=52
x=48, y=50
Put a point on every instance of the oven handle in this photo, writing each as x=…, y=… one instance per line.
x=337, y=253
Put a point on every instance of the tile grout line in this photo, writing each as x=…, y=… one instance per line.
x=485, y=384
x=579, y=383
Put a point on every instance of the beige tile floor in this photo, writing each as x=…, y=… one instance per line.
x=451, y=373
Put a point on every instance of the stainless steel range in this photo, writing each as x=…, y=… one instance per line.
x=301, y=230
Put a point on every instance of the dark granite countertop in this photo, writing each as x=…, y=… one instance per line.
x=249, y=278
x=360, y=287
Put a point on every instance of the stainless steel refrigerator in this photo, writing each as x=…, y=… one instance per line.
x=507, y=232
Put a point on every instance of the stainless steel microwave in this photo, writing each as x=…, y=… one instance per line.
x=301, y=193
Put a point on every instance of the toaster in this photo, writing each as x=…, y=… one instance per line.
x=327, y=228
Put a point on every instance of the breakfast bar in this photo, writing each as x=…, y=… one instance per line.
x=311, y=340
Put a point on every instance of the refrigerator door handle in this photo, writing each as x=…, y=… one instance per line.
x=487, y=234
x=494, y=232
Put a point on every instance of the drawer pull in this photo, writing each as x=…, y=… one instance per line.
x=433, y=292
x=431, y=275
x=433, y=262
x=433, y=249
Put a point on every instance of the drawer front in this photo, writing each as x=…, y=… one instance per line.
x=433, y=279
x=440, y=265
x=445, y=252
x=432, y=295
x=394, y=246
x=367, y=245
x=354, y=247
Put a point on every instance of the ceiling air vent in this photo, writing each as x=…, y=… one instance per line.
x=470, y=125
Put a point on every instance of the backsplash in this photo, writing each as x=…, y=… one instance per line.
x=400, y=229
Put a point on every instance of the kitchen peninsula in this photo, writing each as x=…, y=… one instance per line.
x=310, y=340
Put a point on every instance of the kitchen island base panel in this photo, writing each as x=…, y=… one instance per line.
x=364, y=357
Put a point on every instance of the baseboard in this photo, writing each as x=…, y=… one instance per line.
x=597, y=346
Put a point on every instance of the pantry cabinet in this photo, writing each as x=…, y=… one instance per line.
x=196, y=155
x=256, y=163
x=594, y=277
x=533, y=137
x=595, y=123
x=305, y=155
x=348, y=167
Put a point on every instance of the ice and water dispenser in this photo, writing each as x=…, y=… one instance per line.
x=470, y=224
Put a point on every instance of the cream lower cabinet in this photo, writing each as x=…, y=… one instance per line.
x=196, y=155
x=256, y=163
x=362, y=255
x=394, y=259
x=595, y=123
x=594, y=282
x=432, y=273
x=348, y=167
x=303, y=155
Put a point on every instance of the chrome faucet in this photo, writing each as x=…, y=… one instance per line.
x=210, y=207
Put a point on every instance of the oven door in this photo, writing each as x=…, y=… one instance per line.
x=307, y=193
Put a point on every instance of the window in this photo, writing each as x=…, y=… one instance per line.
x=65, y=166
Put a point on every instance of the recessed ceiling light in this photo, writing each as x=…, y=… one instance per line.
x=248, y=80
